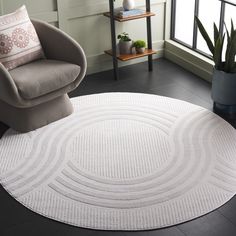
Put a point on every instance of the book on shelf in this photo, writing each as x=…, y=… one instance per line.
x=120, y=12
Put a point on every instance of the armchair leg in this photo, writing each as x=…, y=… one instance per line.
x=28, y=119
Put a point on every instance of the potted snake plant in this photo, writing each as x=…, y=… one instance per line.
x=224, y=73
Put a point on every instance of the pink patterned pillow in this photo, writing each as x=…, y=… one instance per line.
x=19, y=42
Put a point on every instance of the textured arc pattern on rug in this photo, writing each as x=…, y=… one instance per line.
x=73, y=192
x=123, y=161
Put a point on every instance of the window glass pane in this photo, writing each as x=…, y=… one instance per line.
x=230, y=13
x=184, y=21
x=209, y=12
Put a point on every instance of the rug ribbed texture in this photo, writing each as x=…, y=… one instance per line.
x=123, y=161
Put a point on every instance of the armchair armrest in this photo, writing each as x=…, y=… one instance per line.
x=8, y=89
x=58, y=45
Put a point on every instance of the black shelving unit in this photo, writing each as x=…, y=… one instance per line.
x=113, y=52
x=231, y=2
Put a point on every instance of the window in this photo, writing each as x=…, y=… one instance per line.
x=184, y=29
x=208, y=14
x=230, y=13
x=184, y=21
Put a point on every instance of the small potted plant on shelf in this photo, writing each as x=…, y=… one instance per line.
x=140, y=46
x=224, y=73
x=125, y=43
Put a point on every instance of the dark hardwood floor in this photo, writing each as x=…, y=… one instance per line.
x=167, y=79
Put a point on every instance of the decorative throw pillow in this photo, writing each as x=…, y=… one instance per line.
x=19, y=42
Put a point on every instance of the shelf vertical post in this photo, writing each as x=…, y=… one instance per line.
x=113, y=40
x=149, y=34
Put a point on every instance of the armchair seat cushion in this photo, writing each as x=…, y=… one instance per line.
x=43, y=76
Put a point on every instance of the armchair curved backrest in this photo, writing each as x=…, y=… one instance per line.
x=58, y=45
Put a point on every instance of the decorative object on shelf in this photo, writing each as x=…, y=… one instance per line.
x=140, y=46
x=120, y=12
x=128, y=5
x=125, y=43
x=224, y=74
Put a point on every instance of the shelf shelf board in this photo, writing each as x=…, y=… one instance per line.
x=127, y=57
x=147, y=14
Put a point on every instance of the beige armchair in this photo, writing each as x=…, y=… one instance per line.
x=35, y=94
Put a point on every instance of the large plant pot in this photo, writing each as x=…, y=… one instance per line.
x=125, y=47
x=224, y=91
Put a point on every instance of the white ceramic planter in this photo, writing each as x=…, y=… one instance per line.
x=128, y=5
x=140, y=50
x=125, y=47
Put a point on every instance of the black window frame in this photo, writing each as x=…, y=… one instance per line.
x=195, y=30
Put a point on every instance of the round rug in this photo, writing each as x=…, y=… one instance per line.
x=123, y=161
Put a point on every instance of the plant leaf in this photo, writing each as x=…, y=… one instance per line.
x=227, y=32
x=232, y=27
x=230, y=55
x=218, y=52
x=205, y=35
x=216, y=33
x=230, y=51
x=228, y=46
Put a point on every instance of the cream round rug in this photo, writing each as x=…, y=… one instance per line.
x=123, y=161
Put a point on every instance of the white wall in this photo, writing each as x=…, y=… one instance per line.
x=43, y=9
x=89, y=27
x=84, y=21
